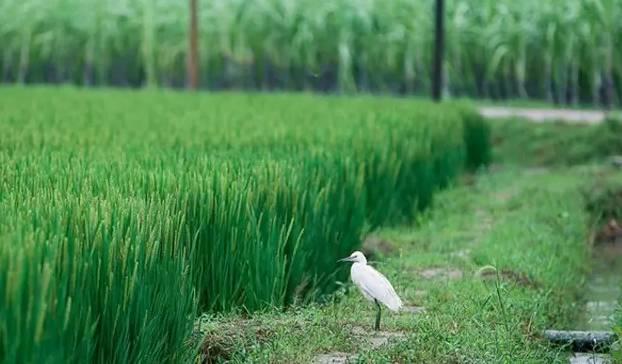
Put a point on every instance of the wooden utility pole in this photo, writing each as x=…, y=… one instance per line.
x=193, y=47
x=439, y=44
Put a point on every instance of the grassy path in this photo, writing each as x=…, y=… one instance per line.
x=531, y=226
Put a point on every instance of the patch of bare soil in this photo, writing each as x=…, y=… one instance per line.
x=611, y=233
x=503, y=196
x=509, y=275
x=463, y=253
x=412, y=309
x=220, y=343
x=468, y=179
x=336, y=357
x=377, y=339
x=485, y=221
x=441, y=273
x=374, y=246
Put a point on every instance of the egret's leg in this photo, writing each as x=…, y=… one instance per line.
x=377, y=327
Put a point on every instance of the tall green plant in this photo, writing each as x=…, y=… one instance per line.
x=559, y=50
x=126, y=213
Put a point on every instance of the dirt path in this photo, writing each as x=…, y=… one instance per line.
x=544, y=115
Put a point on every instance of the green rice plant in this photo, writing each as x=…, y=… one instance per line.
x=86, y=280
x=477, y=135
x=126, y=213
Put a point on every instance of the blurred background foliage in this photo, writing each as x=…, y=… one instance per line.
x=565, y=51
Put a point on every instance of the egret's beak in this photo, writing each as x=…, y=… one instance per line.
x=348, y=259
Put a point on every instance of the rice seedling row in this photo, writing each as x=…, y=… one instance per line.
x=126, y=213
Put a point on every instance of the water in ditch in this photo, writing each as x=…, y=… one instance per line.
x=603, y=288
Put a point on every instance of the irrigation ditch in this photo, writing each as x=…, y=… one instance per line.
x=592, y=338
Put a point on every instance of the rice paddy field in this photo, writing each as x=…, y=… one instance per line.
x=126, y=214
x=160, y=226
x=140, y=223
x=565, y=51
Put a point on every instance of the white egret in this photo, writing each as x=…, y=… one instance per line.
x=372, y=284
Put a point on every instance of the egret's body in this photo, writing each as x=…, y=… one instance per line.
x=373, y=285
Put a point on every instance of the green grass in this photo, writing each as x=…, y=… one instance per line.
x=127, y=213
x=555, y=144
x=617, y=354
x=531, y=228
x=532, y=225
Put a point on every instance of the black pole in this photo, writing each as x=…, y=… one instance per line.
x=439, y=35
x=192, y=64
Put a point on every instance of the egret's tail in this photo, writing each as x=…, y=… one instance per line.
x=394, y=303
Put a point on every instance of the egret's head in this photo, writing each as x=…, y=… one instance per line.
x=356, y=257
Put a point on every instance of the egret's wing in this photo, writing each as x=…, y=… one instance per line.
x=375, y=285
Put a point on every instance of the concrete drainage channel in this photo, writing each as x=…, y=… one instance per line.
x=592, y=338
